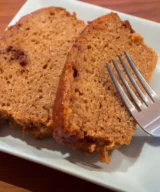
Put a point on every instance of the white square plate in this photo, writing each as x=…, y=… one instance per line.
x=133, y=168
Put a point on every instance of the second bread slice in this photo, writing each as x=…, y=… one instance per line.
x=90, y=114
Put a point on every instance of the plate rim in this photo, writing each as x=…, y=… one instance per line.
x=65, y=170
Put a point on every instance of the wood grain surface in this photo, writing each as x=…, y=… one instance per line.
x=18, y=175
x=148, y=9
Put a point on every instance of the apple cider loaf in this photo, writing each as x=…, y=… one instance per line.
x=89, y=114
x=32, y=55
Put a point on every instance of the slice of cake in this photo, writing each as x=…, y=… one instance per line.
x=90, y=115
x=32, y=55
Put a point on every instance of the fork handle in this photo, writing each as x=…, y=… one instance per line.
x=153, y=128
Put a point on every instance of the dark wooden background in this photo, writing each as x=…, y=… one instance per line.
x=18, y=175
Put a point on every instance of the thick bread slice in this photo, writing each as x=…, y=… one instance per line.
x=90, y=115
x=32, y=56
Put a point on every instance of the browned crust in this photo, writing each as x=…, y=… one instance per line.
x=62, y=132
x=36, y=129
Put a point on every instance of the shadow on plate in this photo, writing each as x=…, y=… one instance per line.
x=122, y=159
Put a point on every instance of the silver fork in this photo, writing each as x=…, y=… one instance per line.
x=148, y=115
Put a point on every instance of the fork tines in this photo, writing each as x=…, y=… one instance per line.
x=153, y=96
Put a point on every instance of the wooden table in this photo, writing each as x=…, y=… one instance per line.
x=18, y=175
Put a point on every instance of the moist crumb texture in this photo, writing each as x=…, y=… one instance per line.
x=32, y=56
x=90, y=115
